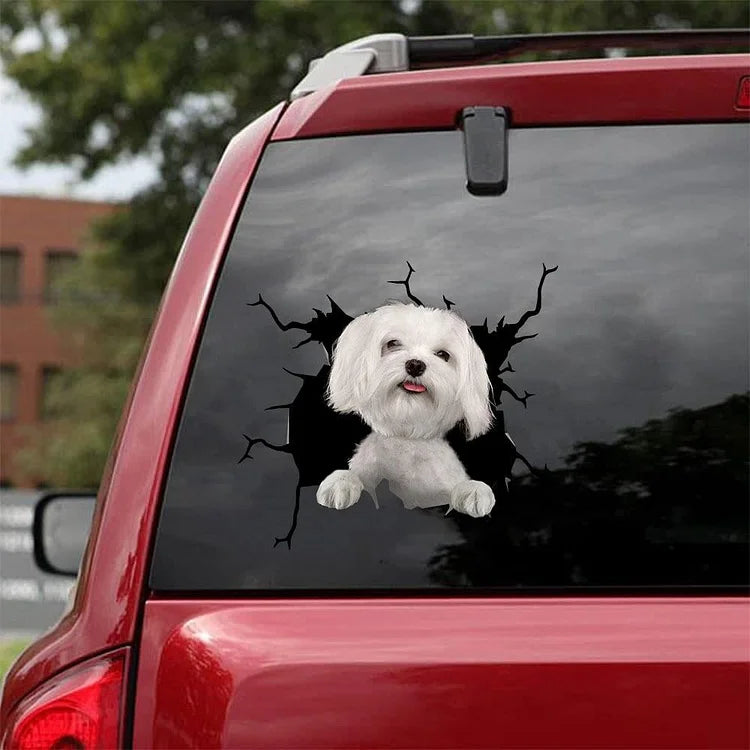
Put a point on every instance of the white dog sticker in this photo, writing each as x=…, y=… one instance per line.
x=412, y=374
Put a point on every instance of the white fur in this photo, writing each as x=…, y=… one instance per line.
x=407, y=446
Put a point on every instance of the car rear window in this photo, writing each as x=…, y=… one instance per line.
x=609, y=289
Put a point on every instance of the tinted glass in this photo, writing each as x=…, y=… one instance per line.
x=622, y=250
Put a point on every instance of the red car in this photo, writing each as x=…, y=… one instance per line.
x=586, y=222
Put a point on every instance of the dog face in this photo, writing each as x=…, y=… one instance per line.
x=411, y=372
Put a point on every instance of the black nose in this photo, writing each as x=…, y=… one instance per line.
x=415, y=367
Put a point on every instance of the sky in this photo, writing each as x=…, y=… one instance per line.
x=17, y=113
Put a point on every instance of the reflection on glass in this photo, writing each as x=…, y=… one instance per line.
x=669, y=496
x=65, y=530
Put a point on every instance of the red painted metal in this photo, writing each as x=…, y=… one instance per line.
x=626, y=90
x=481, y=673
x=111, y=584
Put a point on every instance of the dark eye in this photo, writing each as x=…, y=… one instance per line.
x=443, y=355
x=392, y=344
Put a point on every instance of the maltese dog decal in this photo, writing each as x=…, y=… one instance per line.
x=412, y=374
x=409, y=394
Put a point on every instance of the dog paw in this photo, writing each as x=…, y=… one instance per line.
x=473, y=498
x=339, y=490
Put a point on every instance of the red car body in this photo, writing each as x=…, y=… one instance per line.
x=396, y=672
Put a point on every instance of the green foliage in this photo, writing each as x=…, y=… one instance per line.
x=98, y=317
x=10, y=650
x=176, y=80
x=665, y=493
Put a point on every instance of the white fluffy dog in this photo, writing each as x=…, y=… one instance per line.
x=412, y=374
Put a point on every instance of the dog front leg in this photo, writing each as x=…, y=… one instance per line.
x=343, y=487
x=365, y=464
x=474, y=498
x=340, y=489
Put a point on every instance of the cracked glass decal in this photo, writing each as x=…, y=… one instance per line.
x=433, y=470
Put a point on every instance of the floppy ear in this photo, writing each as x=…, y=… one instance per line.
x=474, y=393
x=352, y=366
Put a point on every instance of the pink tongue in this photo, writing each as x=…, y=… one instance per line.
x=414, y=387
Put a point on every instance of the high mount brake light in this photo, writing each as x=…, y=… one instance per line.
x=78, y=710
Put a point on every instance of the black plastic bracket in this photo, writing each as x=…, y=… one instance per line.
x=486, y=149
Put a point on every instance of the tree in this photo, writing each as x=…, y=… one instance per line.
x=176, y=80
x=663, y=503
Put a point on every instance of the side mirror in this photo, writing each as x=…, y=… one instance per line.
x=62, y=523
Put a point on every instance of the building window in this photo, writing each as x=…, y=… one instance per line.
x=8, y=393
x=57, y=264
x=48, y=409
x=10, y=275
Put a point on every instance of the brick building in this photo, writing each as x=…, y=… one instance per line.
x=39, y=239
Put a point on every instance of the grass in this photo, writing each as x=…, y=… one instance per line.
x=9, y=650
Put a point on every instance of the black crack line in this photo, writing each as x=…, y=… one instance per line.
x=305, y=341
x=279, y=406
x=254, y=441
x=531, y=313
x=532, y=470
x=519, y=339
x=505, y=388
x=300, y=375
x=288, y=538
x=283, y=326
x=405, y=283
